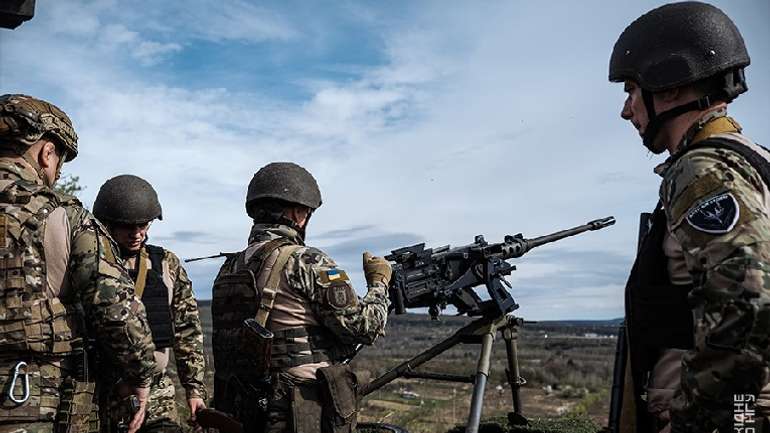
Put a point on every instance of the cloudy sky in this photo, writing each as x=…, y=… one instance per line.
x=423, y=121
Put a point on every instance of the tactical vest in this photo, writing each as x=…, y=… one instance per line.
x=155, y=295
x=658, y=314
x=44, y=332
x=235, y=298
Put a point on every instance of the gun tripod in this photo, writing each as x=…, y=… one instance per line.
x=481, y=331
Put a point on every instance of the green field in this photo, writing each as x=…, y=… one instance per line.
x=567, y=365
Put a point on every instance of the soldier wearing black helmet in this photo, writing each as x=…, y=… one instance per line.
x=300, y=295
x=61, y=286
x=127, y=205
x=698, y=297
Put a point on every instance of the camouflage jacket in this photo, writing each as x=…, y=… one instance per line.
x=312, y=278
x=79, y=268
x=718, y=209
x=188, y=333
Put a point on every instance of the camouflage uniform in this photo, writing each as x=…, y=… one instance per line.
x=187, y=344
x=62, y=285
x=315, y=295
x=729, y=263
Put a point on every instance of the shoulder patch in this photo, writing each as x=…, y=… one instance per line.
x=716, y=215
x=332, y=276
x=341, y=296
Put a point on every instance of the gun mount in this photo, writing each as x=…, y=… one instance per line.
x=435, y=278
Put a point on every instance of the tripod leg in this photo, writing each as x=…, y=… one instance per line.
x=482, y=373
x=510, y=335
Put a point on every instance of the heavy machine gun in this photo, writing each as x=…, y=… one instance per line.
x=436, y=278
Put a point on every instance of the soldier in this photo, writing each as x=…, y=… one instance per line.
x=127, y=205
x=698, y=297
x=62, y=286
x=300, y=295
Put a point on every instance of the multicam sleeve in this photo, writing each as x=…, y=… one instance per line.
x=352, y=319
x=115, y=316
x=717, y=209
x=188, y=332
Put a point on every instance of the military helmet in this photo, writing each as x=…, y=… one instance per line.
x=26, y=120
x=127, y=199
x=679, y=44
x=284, y=181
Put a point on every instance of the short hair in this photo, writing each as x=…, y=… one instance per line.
x=269, y=210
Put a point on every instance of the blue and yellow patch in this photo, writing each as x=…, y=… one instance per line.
x=329, y=276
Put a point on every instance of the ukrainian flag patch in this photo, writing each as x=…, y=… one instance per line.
x=333, y=276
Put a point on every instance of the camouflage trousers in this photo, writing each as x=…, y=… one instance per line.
x=295, y=406
x=162, y=415
x=26, y=427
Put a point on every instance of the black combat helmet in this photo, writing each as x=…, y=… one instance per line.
x=24, y=119
x=679, y=44
x=127, y=199
x=284, y=181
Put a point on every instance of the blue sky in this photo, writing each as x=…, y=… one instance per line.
x=423, y=121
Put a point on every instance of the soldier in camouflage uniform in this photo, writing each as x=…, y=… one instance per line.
x=127, y=205
x=62, y=285
x=299, y=294
x=698, y=298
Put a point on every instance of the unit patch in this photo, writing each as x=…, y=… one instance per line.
x=716, y=215
x=341, y=296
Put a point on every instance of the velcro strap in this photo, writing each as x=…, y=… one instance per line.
x=289, y=348
x=298, y=332
x=295, y=361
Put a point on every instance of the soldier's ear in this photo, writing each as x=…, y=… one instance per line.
x=48, y=156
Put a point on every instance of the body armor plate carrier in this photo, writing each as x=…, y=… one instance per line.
x=155, y=297
x=43, y=364
x=236, y=298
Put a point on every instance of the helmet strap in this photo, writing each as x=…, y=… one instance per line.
x=657, y=121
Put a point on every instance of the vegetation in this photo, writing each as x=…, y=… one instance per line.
x=567, y=365
x=69, y=184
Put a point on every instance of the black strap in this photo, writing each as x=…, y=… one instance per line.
x=756, y=160
x=156, y=255
x=656, y=121
x=156, y=300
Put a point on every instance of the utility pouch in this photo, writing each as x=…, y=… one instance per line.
x=77, y=410
x=306, y=408
x=339, y=395
x=259, y=342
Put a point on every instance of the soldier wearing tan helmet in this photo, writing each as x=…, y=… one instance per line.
x=64, y=295
x=299, y=296
x=127, y=205
x=698, y=297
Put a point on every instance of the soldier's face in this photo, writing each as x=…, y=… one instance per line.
x=633, y=109
x=130, y=237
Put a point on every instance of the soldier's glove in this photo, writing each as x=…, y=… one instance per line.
x=376, y=270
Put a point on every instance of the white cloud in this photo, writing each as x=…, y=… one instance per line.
x=473, y=124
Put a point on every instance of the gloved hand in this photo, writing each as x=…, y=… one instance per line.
x=376, y=270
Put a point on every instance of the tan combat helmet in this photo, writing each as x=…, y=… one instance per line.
x=25, y=120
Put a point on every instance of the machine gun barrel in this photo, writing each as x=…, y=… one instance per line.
x=517, y=246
